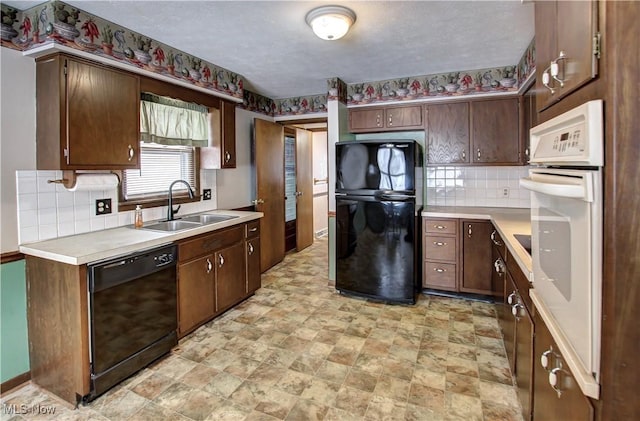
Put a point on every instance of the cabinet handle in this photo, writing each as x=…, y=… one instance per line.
x=439, y=270
x=440, y=227
x=209, y=266
x=250, y=249
x=227, y=157
x=390, y=119
x=378, y=124
x=546, y=78
x=254, y=229
x=499, y=266
x=515, y=310
x=131, y=152
x=493, y=238
x=544, y=359
x=554, y=68
x=554, y=379
x=469, y=231
x=439, y=243
x=511, y=297
x=464, y=155
x=478, y=153
x=220, y=260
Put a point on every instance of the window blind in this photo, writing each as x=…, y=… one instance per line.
x=160, y=165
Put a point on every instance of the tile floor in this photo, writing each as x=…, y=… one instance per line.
x=297, y=350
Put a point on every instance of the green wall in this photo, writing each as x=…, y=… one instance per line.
x=14, y=345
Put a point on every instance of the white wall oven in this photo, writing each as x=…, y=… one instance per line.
x=566, y=235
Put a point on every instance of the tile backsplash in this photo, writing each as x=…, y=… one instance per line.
x=48, y=210
x=476, y=186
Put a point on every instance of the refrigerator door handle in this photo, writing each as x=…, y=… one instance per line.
x=396, y=197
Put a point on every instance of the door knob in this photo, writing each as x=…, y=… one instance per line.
x=257, y=201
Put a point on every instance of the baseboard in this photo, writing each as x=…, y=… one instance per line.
x=15, y=382
x=322, y=233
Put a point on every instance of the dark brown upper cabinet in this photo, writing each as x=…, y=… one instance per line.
x=480, y=132
x=88, y=115
x=566, y=36
x=228, y=144
x=388, y=118
x=447, y=133
x=494, y=132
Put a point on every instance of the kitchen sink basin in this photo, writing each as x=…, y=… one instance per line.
x=207, y=218
x=172, y=226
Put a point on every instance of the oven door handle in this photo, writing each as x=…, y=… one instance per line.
x=554, y=189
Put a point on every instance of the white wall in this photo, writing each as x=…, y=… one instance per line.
x=236, y=187
x=17, y=136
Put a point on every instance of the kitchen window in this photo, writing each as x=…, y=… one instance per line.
x=170, y=132
x=160, y=165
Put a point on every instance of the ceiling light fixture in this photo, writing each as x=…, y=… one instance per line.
x=330, y=22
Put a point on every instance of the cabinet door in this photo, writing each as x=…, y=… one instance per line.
x=102, y=117
x=545, y=24
x=547, y=405
x=196, y=298
x=508, y=322
x=524, y=359
x=567, y=31
x=494, y=128
x=447, y=133
x=529, y=118
x=366, y=119
x=253, y=265
x=403, y=117
x=476, y=257
x=228, y=134
x=230, y=276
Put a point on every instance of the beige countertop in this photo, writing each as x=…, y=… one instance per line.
x=98, y=245
x=508, y=222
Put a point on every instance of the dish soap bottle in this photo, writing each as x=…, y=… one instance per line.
x=138, y=217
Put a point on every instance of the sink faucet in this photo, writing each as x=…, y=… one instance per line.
x=170, y=210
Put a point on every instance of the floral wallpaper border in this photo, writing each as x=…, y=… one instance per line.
x=59, y=23
x=527, y=64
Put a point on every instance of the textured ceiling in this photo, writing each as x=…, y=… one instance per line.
x=269, y=43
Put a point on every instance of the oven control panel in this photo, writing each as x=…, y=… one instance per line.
x=566, y=142
x=574, y=138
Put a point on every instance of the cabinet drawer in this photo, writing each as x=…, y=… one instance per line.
x=440, y=248
x=208, y=243
x=252, y=229
x=441, y=226
x=439, y=275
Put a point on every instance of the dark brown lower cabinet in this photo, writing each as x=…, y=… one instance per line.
x=196, y=296
x=518, y=330
x=253, y=265
x=230, y=276
x=524, y=358
x=476, y=257
x=566, y=402
x=216, y=271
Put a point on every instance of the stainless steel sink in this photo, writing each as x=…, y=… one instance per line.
x=172, y=226
x=208, y=218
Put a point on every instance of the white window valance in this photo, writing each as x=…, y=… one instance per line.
x=169, y=121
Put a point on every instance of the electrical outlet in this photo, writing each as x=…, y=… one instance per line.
x=206, y=194
x=103, y=206
x=505, y=192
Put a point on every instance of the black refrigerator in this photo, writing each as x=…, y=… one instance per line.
x=377, y=226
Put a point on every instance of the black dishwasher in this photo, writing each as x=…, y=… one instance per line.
x=133, y=314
